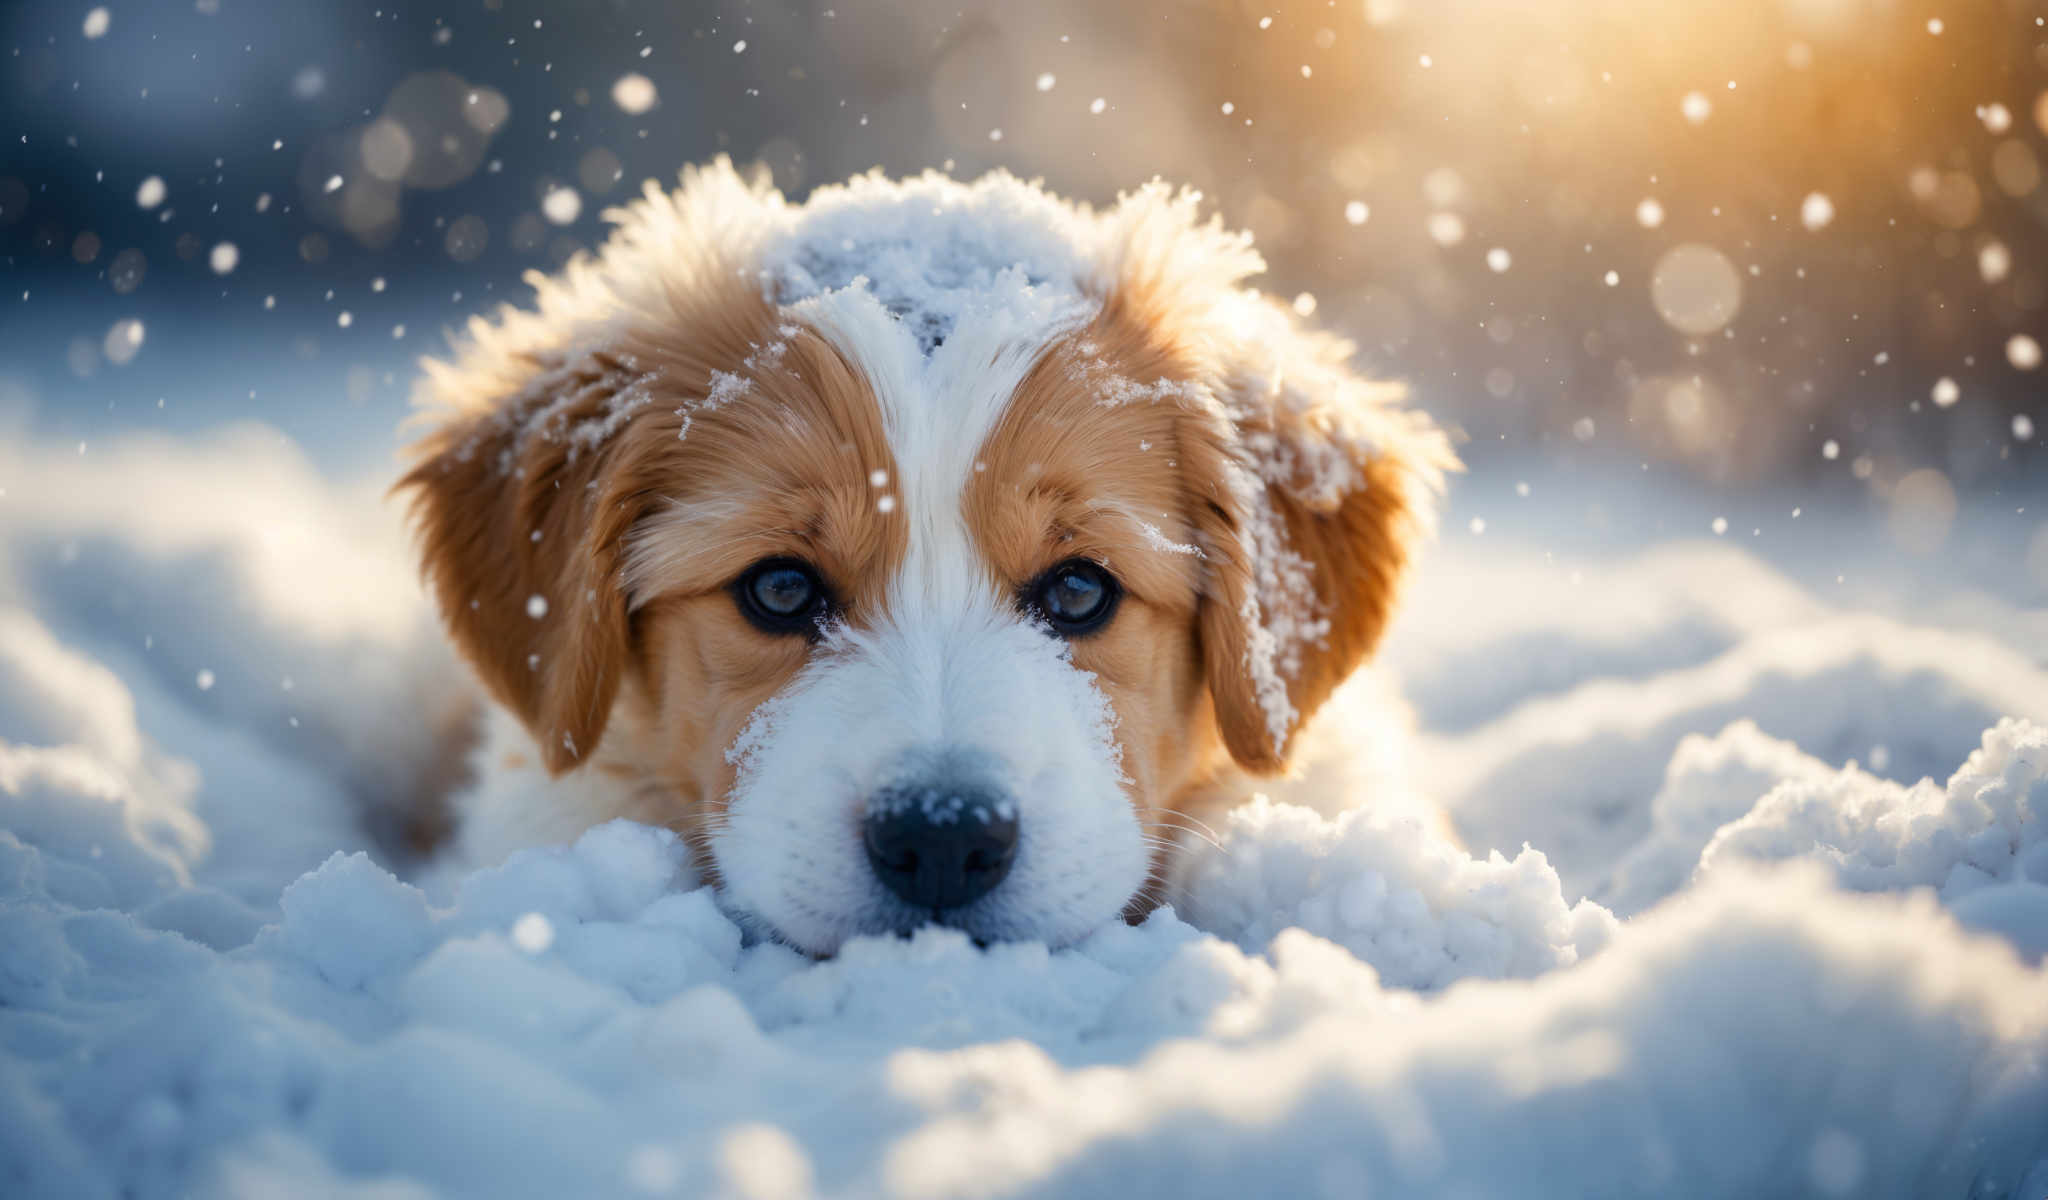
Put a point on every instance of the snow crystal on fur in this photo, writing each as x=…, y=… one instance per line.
x=927, y=247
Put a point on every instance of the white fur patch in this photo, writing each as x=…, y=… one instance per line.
x=981, y=684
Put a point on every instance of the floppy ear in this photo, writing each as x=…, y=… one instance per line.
x=1321, y=489
x=552, y=443
x=521, y=537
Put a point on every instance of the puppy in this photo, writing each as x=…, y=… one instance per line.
x=924, y=552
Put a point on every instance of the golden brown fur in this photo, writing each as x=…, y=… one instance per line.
x=658, y=426
x=1070, y=475
x=790, y=466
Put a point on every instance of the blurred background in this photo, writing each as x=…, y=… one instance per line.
x=1795, y=248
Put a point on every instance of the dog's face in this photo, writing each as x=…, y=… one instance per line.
x=913, y=604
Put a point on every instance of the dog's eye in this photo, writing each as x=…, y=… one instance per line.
x=781, y=595
x=1075, y=597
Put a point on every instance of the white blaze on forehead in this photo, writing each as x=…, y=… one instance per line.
x=942, y=295
x=938, y=411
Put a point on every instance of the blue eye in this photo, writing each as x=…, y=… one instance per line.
x=781, y=595
x=1075, y=598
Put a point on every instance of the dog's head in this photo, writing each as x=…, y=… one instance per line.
x=919, y=544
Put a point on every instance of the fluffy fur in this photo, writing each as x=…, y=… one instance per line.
x=932, y=392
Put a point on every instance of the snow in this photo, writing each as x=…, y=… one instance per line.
x=1695, y=288
x=123, y=341
x=1817, y=211
x=1685, y=947
x=1985, y=828
x=929, y=248
x=562, y=205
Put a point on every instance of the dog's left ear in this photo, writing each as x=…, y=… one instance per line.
x=1321, y=487
x=520, y=535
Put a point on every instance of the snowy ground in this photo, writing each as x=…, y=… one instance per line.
x=1693, y=949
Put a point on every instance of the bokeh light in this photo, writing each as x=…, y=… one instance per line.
x=1709, y=239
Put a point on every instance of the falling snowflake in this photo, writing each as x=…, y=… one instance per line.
x=1994, y=261
x=562, y=205
x=533, y=933
x=1816, y=212
x=123, y=341
x=634, y=93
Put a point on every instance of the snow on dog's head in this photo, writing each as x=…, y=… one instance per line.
x=923, y=551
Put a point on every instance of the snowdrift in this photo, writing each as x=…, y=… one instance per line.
x=1688, y=947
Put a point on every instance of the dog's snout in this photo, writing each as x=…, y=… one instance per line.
x=940, y=846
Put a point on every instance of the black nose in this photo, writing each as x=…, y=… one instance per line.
x=938, y=846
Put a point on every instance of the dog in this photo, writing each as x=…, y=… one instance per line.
x=925, y=552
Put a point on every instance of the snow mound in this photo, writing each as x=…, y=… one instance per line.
x=1709, y=782
x=1568, y=772
x=573, y=1023
x=1465, y=658
x=1900, y=1061
x=208, y=988
x=1982, y=840
x=1401, y=898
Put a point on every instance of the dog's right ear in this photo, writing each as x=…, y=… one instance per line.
x=552, y=441
x=520, y=537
